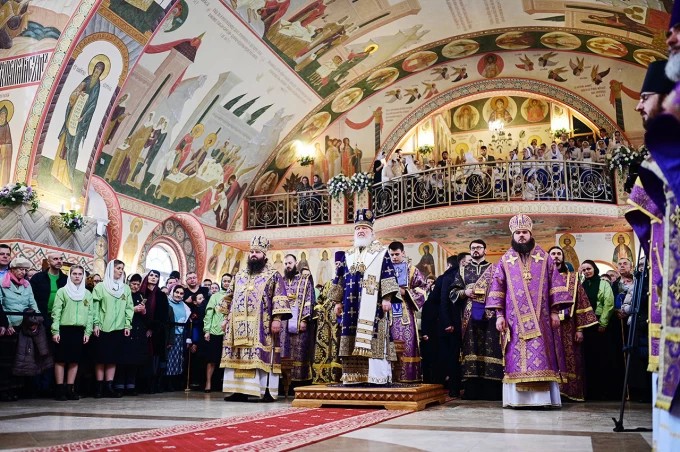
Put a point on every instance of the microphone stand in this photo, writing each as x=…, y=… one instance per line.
x=640, y=291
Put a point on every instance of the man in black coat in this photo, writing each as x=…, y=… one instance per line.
x=45, y=285
x=441, y=327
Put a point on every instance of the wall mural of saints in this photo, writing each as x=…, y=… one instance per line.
x=77, y=113
x=6, y=114
x=82, y=103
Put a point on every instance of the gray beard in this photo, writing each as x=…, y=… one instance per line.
x=673, y=67
x=362, y=242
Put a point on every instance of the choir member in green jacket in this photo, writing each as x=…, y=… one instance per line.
x=72, y=317
x=113, y=310
x=213, y=333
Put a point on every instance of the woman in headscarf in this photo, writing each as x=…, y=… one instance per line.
x=113, y=310
x=16, y=295
x=600, y=362
x=156, y=318
x=213, y=334
x=72, y=318
x=179, y=316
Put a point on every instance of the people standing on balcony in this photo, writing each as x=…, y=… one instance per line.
x=587, y=155
x=601, y=151
x=378, y=167
x=445, y=161
x=617, y=141
x=604, y=136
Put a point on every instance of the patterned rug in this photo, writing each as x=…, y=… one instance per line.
x=274, y=431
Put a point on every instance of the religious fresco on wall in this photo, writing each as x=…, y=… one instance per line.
x=96, y=68
x=512, y=110
x=187, y=131
x=28, y=35
x=138, y=18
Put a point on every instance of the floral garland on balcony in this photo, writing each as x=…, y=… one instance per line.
x=360, y=182
x=338, y=185
x=425, y=149
x=624, y=157
x=12, y=195
x=72, y=220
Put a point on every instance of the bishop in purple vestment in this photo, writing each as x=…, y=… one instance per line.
x=529, y=292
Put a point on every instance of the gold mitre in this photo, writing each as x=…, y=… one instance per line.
x=521, y=222
x=259, y=243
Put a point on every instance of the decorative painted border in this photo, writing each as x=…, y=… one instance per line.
x=115, y=226
x=562, y=95
x=48, y=83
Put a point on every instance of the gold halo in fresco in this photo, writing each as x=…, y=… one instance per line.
x=347, y=99
x=421, y=248
x=607, y=47
x=515, y=40
x=560, y=40
x=382, y=78
x=210, y=140
x=538, y=139
x=460, y=48
x=9, y=106
x=287, y=155
x=316, y=124
x=266, y=183
x=565, y=237
x=100, y=59
x=419, y=61
x=647, y=56
x=618, y=235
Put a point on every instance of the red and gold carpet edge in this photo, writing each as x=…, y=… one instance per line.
x=276, y=430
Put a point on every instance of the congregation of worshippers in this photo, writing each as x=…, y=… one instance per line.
x=530, y=330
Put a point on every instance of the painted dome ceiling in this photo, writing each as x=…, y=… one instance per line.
x=192, y=105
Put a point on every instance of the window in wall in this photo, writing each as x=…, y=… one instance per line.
x=163, y=259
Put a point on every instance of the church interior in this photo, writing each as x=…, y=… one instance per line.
x=167, y=133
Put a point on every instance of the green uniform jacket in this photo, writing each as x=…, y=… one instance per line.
x=111, y=313
x=212, y=322
x=67, y=312
x=605, y=303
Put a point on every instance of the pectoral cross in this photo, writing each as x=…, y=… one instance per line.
x=369, y=284
x=526, y=274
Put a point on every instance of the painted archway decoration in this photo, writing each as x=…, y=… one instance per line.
x=115, y=227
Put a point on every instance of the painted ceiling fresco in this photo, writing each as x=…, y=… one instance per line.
x=191, y=105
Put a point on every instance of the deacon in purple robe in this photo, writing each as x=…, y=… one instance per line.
x=573, y=320
x=365, y=290
x=294, y=333
x=527, y=289
x=411, y=288
x=254, y=307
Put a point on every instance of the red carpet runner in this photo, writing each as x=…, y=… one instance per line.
x=278, y=430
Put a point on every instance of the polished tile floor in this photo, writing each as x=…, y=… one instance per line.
x=457, y=425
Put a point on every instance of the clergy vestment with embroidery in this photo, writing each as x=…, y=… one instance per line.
x=326, y=367
x=251, y=353
x=526, y=292
x=294, y=342
x=482, y=357
x=403, y=326
x=364, y=278
x=575, y=318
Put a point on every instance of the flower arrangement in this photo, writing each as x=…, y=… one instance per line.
x=360, y=182
x=425, y=149
x=72, y=220
x=338, y=185
x=557, y=133
x=306, y=160
x=625, y=157
x=18, y=193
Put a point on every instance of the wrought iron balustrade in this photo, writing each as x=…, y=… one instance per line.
x=517, y=180
x=303, y=208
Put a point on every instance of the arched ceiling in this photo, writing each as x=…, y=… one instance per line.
x=199, y=100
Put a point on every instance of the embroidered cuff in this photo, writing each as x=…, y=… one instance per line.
x=388, y=286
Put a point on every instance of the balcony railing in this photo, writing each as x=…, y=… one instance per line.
x=547, y=180
x=289, y=209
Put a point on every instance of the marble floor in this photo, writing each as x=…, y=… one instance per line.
x=457, y=425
